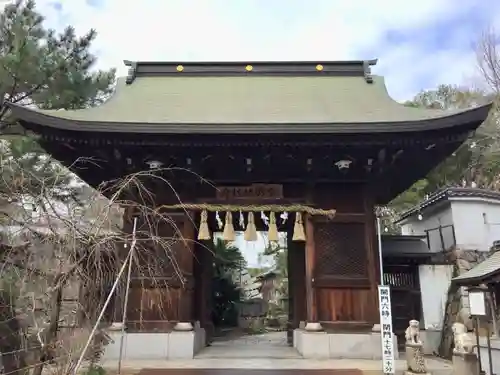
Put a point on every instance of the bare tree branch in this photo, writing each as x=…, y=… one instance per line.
x=55, y=246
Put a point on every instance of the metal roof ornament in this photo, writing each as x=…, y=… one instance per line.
x=154, y=164
x=343, y=164
x=132, y=71
x=249, y=68
x=180, y=68
x=368, y=71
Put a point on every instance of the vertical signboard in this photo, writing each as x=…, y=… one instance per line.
x=384, y=302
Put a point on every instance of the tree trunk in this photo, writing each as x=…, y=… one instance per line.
x=51, y=332
x=14, y=359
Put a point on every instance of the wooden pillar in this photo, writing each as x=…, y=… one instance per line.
x=185, y=312
x=296, y=283
x=372, y=250
x=312, y=312
x=203, y=270
x=292, y=290
x=122, y=251
x=206, y=289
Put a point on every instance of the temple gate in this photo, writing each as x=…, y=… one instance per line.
x=320, y=136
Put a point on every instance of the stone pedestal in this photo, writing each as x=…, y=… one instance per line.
x=415, y=359
x=465, y=364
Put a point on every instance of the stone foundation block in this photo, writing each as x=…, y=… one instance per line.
x=144, y=346
x=465, y=364
x=182, y=345
x=137, y=346
x=314, y=345
x=340, y=345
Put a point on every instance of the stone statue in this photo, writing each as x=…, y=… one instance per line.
x=462, y=340
x=412, y=333
x=414, y=354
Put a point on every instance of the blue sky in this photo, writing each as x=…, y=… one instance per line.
x=419, y=44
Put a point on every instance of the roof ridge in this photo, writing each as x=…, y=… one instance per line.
x=361, y=68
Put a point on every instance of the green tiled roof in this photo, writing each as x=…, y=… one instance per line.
x=218, y=102
x=246, y=99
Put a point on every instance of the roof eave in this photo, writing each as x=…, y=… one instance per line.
x=475, y=280
x=440, y=198
x=466, y=121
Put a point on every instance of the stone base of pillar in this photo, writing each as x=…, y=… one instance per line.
x=115, y=326
x=313, y=327
x=183, y=327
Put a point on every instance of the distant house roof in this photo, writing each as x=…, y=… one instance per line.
x=480, y=273
x=401, y=245
x=450, y=193
x=17, y=235
x=267, y=274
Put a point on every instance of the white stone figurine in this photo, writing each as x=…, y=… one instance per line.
x=412, y=333
x=415, y=361
x=463, y=341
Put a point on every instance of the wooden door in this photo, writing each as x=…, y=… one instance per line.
x=344, y=292
x=158, y=295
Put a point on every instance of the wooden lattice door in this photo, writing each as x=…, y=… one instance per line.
x=342, y=284
x=340, y=250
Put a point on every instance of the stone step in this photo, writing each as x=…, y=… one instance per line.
x=250, y=372
x=220, y=366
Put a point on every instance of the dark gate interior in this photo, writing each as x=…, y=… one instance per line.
x=296, y=261
x=405, y=297
x=203, y=271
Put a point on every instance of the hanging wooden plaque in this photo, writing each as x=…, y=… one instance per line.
x=254, y=191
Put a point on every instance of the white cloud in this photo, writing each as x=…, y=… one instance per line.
x=180, y=30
